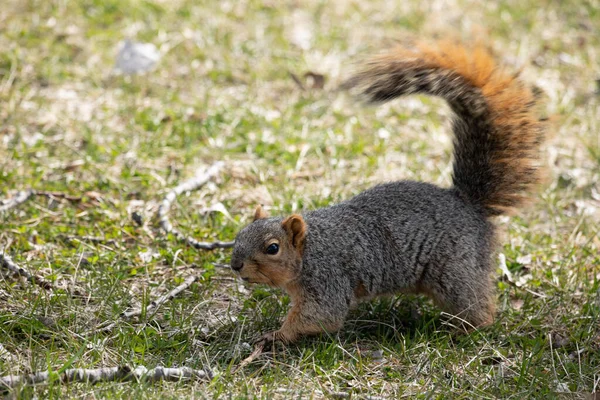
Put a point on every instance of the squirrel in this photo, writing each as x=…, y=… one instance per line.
x=406, y=236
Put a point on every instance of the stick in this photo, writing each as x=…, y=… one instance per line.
x=151, y=307
x=163, y=299
x=171, y=295
x=106, y=328
x=8, y=263
x=122, y=373
x=24, y=195
x=192, y=184
x=58, y=195
x=20, y=198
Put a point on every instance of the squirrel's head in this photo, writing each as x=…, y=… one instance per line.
x=269, y=250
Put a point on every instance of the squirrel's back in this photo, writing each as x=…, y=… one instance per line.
x=389, y=236
x=496, y=133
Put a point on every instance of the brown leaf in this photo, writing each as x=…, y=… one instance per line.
x=314, y=80
x=310, y=80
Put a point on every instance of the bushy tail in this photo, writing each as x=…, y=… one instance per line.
x=496, y=134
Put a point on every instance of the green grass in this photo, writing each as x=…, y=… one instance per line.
x=222, y=91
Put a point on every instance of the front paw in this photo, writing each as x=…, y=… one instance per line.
x=269, y=338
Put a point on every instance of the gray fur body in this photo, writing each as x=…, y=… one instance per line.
x=404, y=236
x=397, y=237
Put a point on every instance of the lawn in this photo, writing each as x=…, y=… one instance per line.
x=240, y=82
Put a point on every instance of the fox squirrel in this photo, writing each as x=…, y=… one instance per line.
x=408, y=237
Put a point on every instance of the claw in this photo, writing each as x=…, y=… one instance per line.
x=268, y=339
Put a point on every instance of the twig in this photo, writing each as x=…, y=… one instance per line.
x=151, y=307
x=192, y=184
x=20, y=198
x=106, y=328
x=171, y=295
x=258, y=350
x=58, y=195
x=122, y=373
x=8, y=263
x=163, y=299
x=24, y=195
x=296, y=80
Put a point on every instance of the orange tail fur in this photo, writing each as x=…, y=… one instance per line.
x=496, y=134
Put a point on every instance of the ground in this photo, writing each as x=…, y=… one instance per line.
x=240, y=81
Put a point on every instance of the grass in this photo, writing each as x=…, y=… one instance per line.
x=222, y=91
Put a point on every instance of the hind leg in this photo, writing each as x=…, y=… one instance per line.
x=469, y=300
x=469, y=313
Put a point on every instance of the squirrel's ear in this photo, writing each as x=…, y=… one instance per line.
x=259, y=213
x=295, y=227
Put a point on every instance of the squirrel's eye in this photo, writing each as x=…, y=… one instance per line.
x=272, y=249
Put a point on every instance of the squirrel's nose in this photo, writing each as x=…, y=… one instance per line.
x=236, y=266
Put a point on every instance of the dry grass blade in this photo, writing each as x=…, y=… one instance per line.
x=259, y=348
